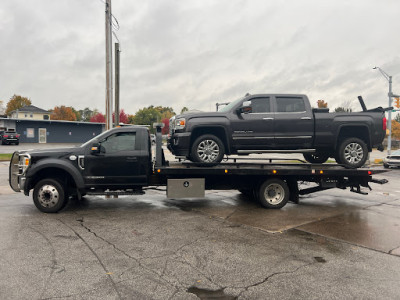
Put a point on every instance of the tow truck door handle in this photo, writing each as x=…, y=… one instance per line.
x=306, y=118
x=268, y=119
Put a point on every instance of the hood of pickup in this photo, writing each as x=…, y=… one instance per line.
x=202, y=115
x=55, y=153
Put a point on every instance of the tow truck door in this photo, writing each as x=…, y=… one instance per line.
x=120, y=163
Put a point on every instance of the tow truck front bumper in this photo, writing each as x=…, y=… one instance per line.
x=17, y=177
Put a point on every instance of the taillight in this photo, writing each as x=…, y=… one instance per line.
x=17, y=135
x=384, y=126
x=5, y=135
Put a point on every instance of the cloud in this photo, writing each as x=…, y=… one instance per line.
x=197, y=53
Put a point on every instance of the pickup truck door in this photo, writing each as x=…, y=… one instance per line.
x=118, y=164
x=254, y=130
x=294, y=122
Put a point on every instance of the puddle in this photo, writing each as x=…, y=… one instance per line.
x=204, y=294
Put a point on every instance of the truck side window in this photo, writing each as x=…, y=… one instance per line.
x=290, y=104
x=121, y=141
x=260, y=105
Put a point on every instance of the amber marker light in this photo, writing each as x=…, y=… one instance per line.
x=274, y=171
x=158, y=170
x=321, y=172
x=226, y=171
x=26, y=161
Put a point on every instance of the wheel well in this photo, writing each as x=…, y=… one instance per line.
x=55, y=173
x=360, y=132
x=217, y=131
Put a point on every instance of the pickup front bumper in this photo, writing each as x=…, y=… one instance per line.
x=179, y=143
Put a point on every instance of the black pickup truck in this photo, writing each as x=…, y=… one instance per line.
x=120, y=162
x=278, y=123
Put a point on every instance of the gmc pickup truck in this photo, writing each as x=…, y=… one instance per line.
x=120, y=162
x=278, y=123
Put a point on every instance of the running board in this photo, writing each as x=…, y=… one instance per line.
x=116, y=193
x=276, y=151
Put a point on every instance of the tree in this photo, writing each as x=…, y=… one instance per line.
x=63, y=113
x=322, y=104
x=17, y=102
x=147, y=116
x=131, y=119
x=98, y=118
x=184, y=109
x=346, y=106
x=395, y=130
x=123, y=117
x=166, y=112
x=165, y=129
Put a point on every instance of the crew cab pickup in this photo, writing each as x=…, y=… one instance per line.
x=120, y=162
x=278, y=123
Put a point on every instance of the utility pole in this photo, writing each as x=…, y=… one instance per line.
x=117, y=52
x=109, y=82
x=390, y=94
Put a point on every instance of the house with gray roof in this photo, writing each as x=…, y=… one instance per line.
x=30, y=112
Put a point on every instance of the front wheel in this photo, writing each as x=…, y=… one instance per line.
x=207, y=149
x=353, y=153
x=273, y=193
x=316, y=158
x=49, y=196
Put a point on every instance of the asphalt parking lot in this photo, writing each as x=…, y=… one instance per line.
x=334, y=244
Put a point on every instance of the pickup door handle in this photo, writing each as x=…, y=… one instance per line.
x=268, y=118
x=306, y=118
x=131, y=158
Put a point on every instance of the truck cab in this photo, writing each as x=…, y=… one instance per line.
x=116, y=160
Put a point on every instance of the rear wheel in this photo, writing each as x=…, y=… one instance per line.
x=352, y=152
x=273, y=193
x=316, y=158
x=207, y=149
x=49, y=195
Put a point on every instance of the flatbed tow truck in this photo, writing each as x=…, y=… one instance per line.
x=120, y=162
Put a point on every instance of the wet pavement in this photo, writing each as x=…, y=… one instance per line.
x=334, y=244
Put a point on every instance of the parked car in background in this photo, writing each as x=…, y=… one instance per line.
x=10, y=137
x=153, y=139
x=392, y=160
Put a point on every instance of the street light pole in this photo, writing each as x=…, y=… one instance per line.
x=390, y=94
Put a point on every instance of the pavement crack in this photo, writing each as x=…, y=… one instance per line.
x=138, y=261
x=53, y=265
x=272, y=275
x=97, y=257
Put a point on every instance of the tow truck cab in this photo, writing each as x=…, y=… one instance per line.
x=118, y=159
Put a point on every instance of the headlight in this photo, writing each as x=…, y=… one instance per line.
x=180, y=123
x=24, y=162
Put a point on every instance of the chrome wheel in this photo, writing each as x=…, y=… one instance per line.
x=48, y=196
x=208, y=150
x=274, y=194
x=353, y=153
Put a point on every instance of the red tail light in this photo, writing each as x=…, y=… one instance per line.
x=384, y=125
x=5, y=135
x=17, y=135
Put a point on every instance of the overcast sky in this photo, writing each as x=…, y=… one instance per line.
x=196, y=53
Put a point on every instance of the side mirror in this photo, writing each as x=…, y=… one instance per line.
x=244, y=110
x=95, y=148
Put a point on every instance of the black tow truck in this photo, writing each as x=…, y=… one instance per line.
x=120, y=162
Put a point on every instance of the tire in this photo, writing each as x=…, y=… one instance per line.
x=207, y=149
x=49, y=196
x=316, y=158
x=353, y=153
x=274, y=193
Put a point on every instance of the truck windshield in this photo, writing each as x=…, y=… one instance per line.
x=230, y=105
